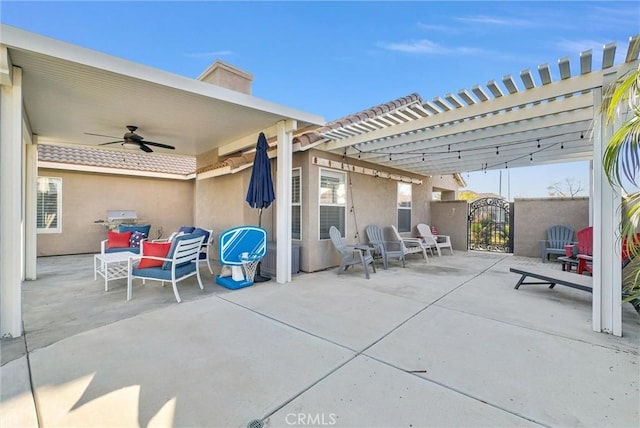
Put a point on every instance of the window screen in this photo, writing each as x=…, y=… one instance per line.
x=404, y=207
x=333, y=200
x=296, y=204
x=49, y=205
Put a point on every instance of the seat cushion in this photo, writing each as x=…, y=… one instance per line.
x=164, y=274
x=154, y=249
x=186, y=229
x=135, y=250
x=118, y=239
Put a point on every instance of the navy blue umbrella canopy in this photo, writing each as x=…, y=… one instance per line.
x=260, y=194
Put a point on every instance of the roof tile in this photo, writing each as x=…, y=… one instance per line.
x=122, y=159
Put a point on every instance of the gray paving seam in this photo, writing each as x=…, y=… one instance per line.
x=458, y=391
x=626, y=351
x=31, y=386
x=362, y=352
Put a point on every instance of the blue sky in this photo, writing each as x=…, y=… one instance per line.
x=338, y=58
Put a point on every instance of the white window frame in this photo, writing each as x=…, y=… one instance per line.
x=336, y=174
x=296, y=172
x=45, y=181
x=401, y=189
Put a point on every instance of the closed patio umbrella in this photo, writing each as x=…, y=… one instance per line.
x=260, y=193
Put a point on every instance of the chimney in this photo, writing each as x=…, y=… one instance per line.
x=227, y=76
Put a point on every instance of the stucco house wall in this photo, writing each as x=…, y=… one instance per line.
x=86, y=197
x=374, y=201
x=534, y=216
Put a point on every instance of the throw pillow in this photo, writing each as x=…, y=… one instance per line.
x=154, y=249
x=136, y=237
x=117, y=239
x=199, y=231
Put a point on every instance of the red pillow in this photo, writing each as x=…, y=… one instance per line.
x=156, y=249
x=117, y=239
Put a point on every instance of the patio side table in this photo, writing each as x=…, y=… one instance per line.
x=568, y=263
x=111, y=266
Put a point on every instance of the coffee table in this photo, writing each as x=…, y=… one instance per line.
x=112, y=266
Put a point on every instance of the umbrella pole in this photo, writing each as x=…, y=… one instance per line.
x=258, y=277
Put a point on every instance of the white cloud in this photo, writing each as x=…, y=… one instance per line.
x=428, y=47
x=494, y=20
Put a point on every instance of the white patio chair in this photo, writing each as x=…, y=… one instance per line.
x=436, y=241
x=411, y=245
x=181, y=262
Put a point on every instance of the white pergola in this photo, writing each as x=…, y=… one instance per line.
x=517, y=123
x=55, y=92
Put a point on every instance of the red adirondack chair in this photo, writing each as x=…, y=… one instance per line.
x=585, y=249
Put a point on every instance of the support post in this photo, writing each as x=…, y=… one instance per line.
x=30, y=212
x=11, y=231
x=607, y=267
x=283, y=199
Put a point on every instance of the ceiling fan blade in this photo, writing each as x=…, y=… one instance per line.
x=100, y=135
x=144, y=148
x=111, y=142
x=164, y=146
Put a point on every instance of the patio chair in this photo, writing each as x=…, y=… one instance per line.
x=411, y=245
x=351, y=254
x=557, y=237
x=434, y=241
x=206, y=245
x=585, y=250
x=180, y=262
x=386, y=249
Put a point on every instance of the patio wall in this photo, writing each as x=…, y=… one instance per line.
x=534, y=216
x=86, y=197
x=450, y=217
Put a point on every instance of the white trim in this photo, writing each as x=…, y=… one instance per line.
x=115, y=171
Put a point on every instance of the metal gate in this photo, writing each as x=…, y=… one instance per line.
x=490, y=225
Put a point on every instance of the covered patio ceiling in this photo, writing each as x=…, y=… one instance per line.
x=69, y=91
x=533, y=121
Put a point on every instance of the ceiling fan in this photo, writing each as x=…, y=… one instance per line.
x=132, y=138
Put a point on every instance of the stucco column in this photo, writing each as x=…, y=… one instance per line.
x=283, y=199
x=607, y=269
x=11, y=243
x=30, y=212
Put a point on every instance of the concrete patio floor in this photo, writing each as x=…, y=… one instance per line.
x=444, y=343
